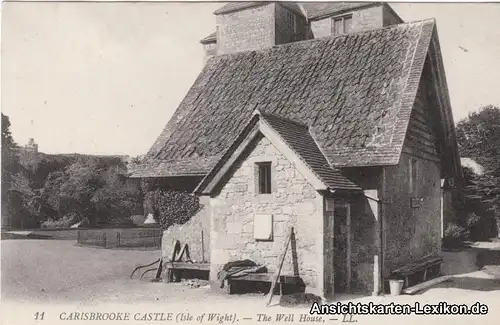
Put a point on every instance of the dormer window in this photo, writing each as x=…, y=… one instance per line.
x=291, y=22
x=342, y=25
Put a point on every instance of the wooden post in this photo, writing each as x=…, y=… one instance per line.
x=280, y=266
x=159, y=270
x=374, y=202
x=349, y=247
x=202, y=247
x=329, y=251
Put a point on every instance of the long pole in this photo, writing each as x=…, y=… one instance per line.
x=202, y=247
x=278, y=271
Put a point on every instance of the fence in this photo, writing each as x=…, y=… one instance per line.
x=126, y=237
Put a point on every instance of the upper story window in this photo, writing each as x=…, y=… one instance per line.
x=291, y=22
x=342, y=25
x=264, y=175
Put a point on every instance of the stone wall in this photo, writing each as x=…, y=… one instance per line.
x=190, y=233
x=283, y=33
x=362, y=20
x=293, y=202
x=412, y=232
x=246, y=30
x=209, y=50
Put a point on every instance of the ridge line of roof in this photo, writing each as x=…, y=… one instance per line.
x=321, y=150
x=410, y=62
x=412, y=68
x=296, y=153
x=264, y=114
x=249, y=127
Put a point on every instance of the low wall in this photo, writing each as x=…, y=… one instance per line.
x=61, y=234
x=120, y=237
x=191, y=233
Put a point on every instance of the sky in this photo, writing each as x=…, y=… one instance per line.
x=104, y=78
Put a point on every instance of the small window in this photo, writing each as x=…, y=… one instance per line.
x=342, y=25
x=290, y=21
x=264, y=178
x=414, y=175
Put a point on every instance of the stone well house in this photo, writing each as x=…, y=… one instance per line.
x=332, y=118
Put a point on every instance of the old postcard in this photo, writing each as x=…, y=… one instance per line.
x=250, y=162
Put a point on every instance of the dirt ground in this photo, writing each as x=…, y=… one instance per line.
x=56, y=277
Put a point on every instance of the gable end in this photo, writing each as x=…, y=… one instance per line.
x=424, y=137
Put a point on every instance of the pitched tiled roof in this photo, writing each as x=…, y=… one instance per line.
x=210, y=38
x=298, y=138
x=191, y=166
x=354, y=91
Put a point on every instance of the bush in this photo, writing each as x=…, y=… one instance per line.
x=472, y=220
x=454, y=236
x=65, y=222
x=172, y=207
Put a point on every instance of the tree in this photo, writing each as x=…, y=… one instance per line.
x=479, y=138
x=116, y=199
x=95, y=189
x=7, y=140
x=10, y=167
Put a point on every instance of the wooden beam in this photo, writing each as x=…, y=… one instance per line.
x=202, y=247
x=349, y=248
x=329, y=249
x=188, y=266
x=377, y=233
x=267, y=277
x=426, y=285
x=280, y=266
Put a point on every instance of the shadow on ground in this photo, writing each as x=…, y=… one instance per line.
x=11, y=236
x=471, y=283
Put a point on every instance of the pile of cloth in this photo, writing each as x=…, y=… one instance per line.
x=237, y=269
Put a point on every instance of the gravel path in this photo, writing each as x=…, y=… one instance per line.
x=55, y=277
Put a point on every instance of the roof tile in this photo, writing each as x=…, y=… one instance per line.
x=298, y=138
x=344, y=96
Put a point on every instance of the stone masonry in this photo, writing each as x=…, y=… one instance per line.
x=246, y=30
x=362, y=20
x=190, y=233
x=293, y=202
